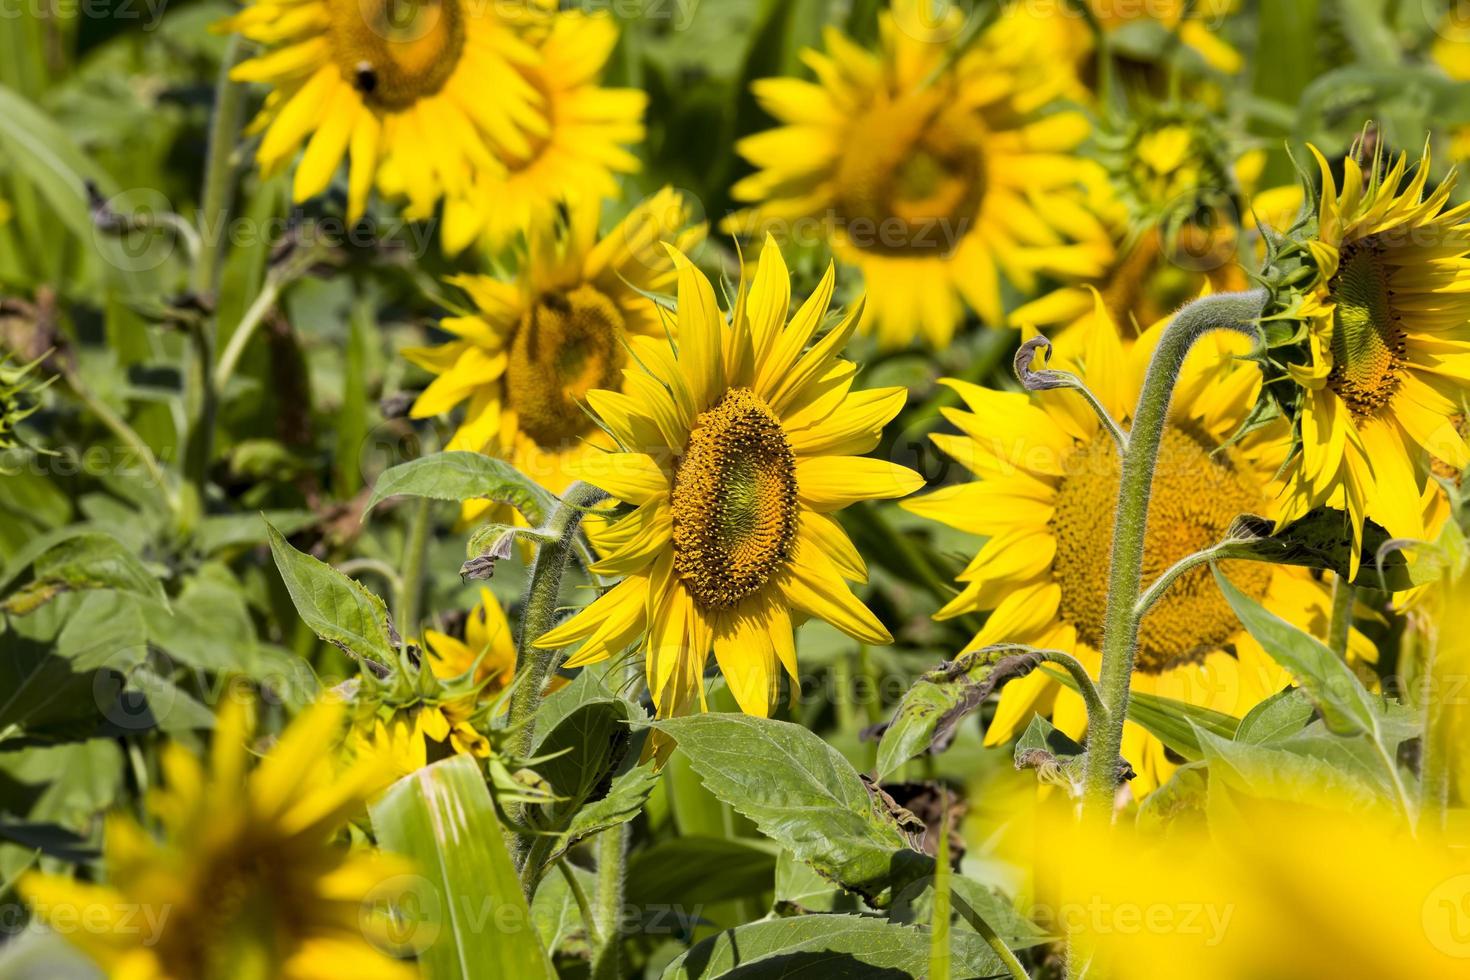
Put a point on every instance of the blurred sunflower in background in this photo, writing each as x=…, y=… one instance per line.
x=576, y=158
x=734, y=448
x=1174, y=196
x=528, y=354
x=927, y=166
x=1046, y=496
x=365, y=79
x=1388, y=315
x=248, y=882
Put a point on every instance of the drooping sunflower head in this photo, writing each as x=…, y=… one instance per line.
x=401, y=79
x=1383, y=381
x=532, y=350
x=932, y=170
x=1173, y=191
x=1045, y=497
x=247, y=877
x=734, y=446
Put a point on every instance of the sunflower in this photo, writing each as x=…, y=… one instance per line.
x=530, y=351
x=929, y=169
x=1388, y=318
x=735, y=447
x=579, y=155
x=369, y=78
x=1189, y=20
x=1046, y=497
x=487, y=652
x=247, y=882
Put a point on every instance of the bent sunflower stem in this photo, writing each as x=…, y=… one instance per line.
x=1097, y=711
x=1210, y=555
x=1225, y=311
x=1049, y=379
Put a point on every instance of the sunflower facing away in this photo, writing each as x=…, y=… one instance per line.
x=736, y=446
x=247, y=882
x=931, y=176
x=1045, y=498
x=1389, y=324
x=530, y=352
x=577, y=158
x=365, y=78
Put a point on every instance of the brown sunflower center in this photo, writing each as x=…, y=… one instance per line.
x=243, y=896
x=1367, y=337
x=913, y=177
x=734, y=501
x=569, y=343
x=396, y=52
x=1195, y=498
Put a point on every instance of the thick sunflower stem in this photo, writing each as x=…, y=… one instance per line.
x=535, y=666
x=612, y=862
x=1226, y=311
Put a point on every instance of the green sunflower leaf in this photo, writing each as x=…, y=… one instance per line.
x=460, y=476
x=335, y=607
x=1325, y=678
x=802, y=793
x=85, y=561
x=1323, y=538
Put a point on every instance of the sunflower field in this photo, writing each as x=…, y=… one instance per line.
x=680, y=489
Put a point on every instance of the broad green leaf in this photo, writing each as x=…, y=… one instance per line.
x=828, y=947
x=90, y=560
x=472, y=919
x=630, y=789
x=65, y=686
x=337, y=609
x=1277, y=773
x=459, y=476
x=1280, y=716
x=701, y=870
x=1345, y=704
x=802, y=793
x=582, y=750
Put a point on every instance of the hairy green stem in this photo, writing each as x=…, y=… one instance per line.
x=1340, y=626
x=612, y=864
x=411, y=585
x=534, y=666
x=1225, y=311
